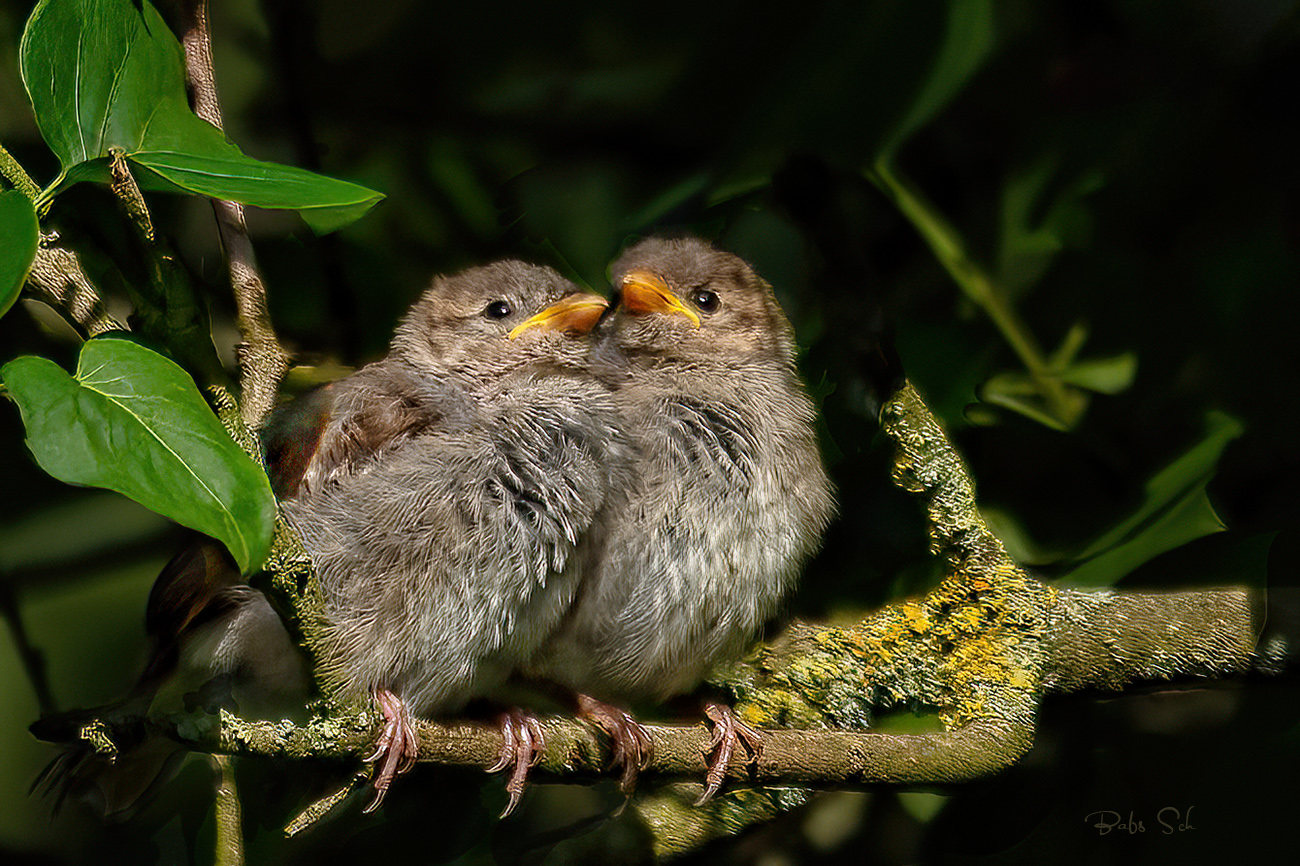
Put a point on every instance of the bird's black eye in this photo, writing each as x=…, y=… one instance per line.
x=705, y=300
x=498, y=310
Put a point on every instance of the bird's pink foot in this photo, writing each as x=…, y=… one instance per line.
x=398, y=746
x=522, y=743
x=630, y=745
x=728, y=730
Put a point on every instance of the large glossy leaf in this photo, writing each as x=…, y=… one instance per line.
x=1176, y=510
x=132, y=421
x=20, y=234
x=325, y=203
x=105, y=74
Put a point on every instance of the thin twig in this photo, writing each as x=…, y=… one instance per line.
x=977, y=284
x=33, y=659
x=262, y=360
x=229, y=843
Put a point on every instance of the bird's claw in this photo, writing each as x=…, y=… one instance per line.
x=523, y=741
x=728, y=730
x=630, y=745
x=397, y=747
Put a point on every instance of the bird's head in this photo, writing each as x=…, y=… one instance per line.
x=682, y=299
x=490, y=320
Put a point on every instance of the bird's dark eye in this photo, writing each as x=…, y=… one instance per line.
x=498, y=310
x=705, y=300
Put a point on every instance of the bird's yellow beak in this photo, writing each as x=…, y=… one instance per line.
x=646, y=292
x=575, y=314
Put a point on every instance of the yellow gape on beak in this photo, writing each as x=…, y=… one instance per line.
x=646, y=292
x=575, y=314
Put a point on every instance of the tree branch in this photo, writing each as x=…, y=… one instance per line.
x=1216, y=639
x=58, y=279
x=262, y=360
x=979, y=652
x=229, y=845
x=576, y=751
x=1111, y=641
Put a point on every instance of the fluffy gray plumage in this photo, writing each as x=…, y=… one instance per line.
x=441, y=494
x=729, y=495
x=449, y=490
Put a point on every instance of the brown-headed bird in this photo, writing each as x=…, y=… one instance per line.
x=729, y=496
x=444, y=496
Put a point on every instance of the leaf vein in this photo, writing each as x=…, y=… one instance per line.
x=117, y=401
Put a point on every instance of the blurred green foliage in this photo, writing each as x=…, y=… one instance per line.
x=1121, y=177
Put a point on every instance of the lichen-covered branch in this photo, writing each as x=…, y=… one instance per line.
x=979, y=653
x=973, y=649
x=1214, y=635
x=1109, y=641
x=576, y=751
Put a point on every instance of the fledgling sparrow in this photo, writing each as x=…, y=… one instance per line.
x=729, y=496
x=445, y=497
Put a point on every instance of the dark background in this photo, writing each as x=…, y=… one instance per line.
x=1153, y=144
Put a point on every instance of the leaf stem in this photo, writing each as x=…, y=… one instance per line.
x=18, y=176
x=128, y=193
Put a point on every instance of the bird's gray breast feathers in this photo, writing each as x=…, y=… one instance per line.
x=710, y=438
x=452, y=548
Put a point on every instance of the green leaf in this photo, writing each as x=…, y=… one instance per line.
x=1025, y=394
x=1042, y=214
x=921, y=805
x=96, y=72
x=1176, y=510
x=21, y=233
x=324, y=203
x=1103, y=375
x=1022, y=393
x=107, y=74
x=132, y=421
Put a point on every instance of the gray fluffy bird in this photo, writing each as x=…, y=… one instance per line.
x=729, y=496
x=443, y=499
x=441, y=494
